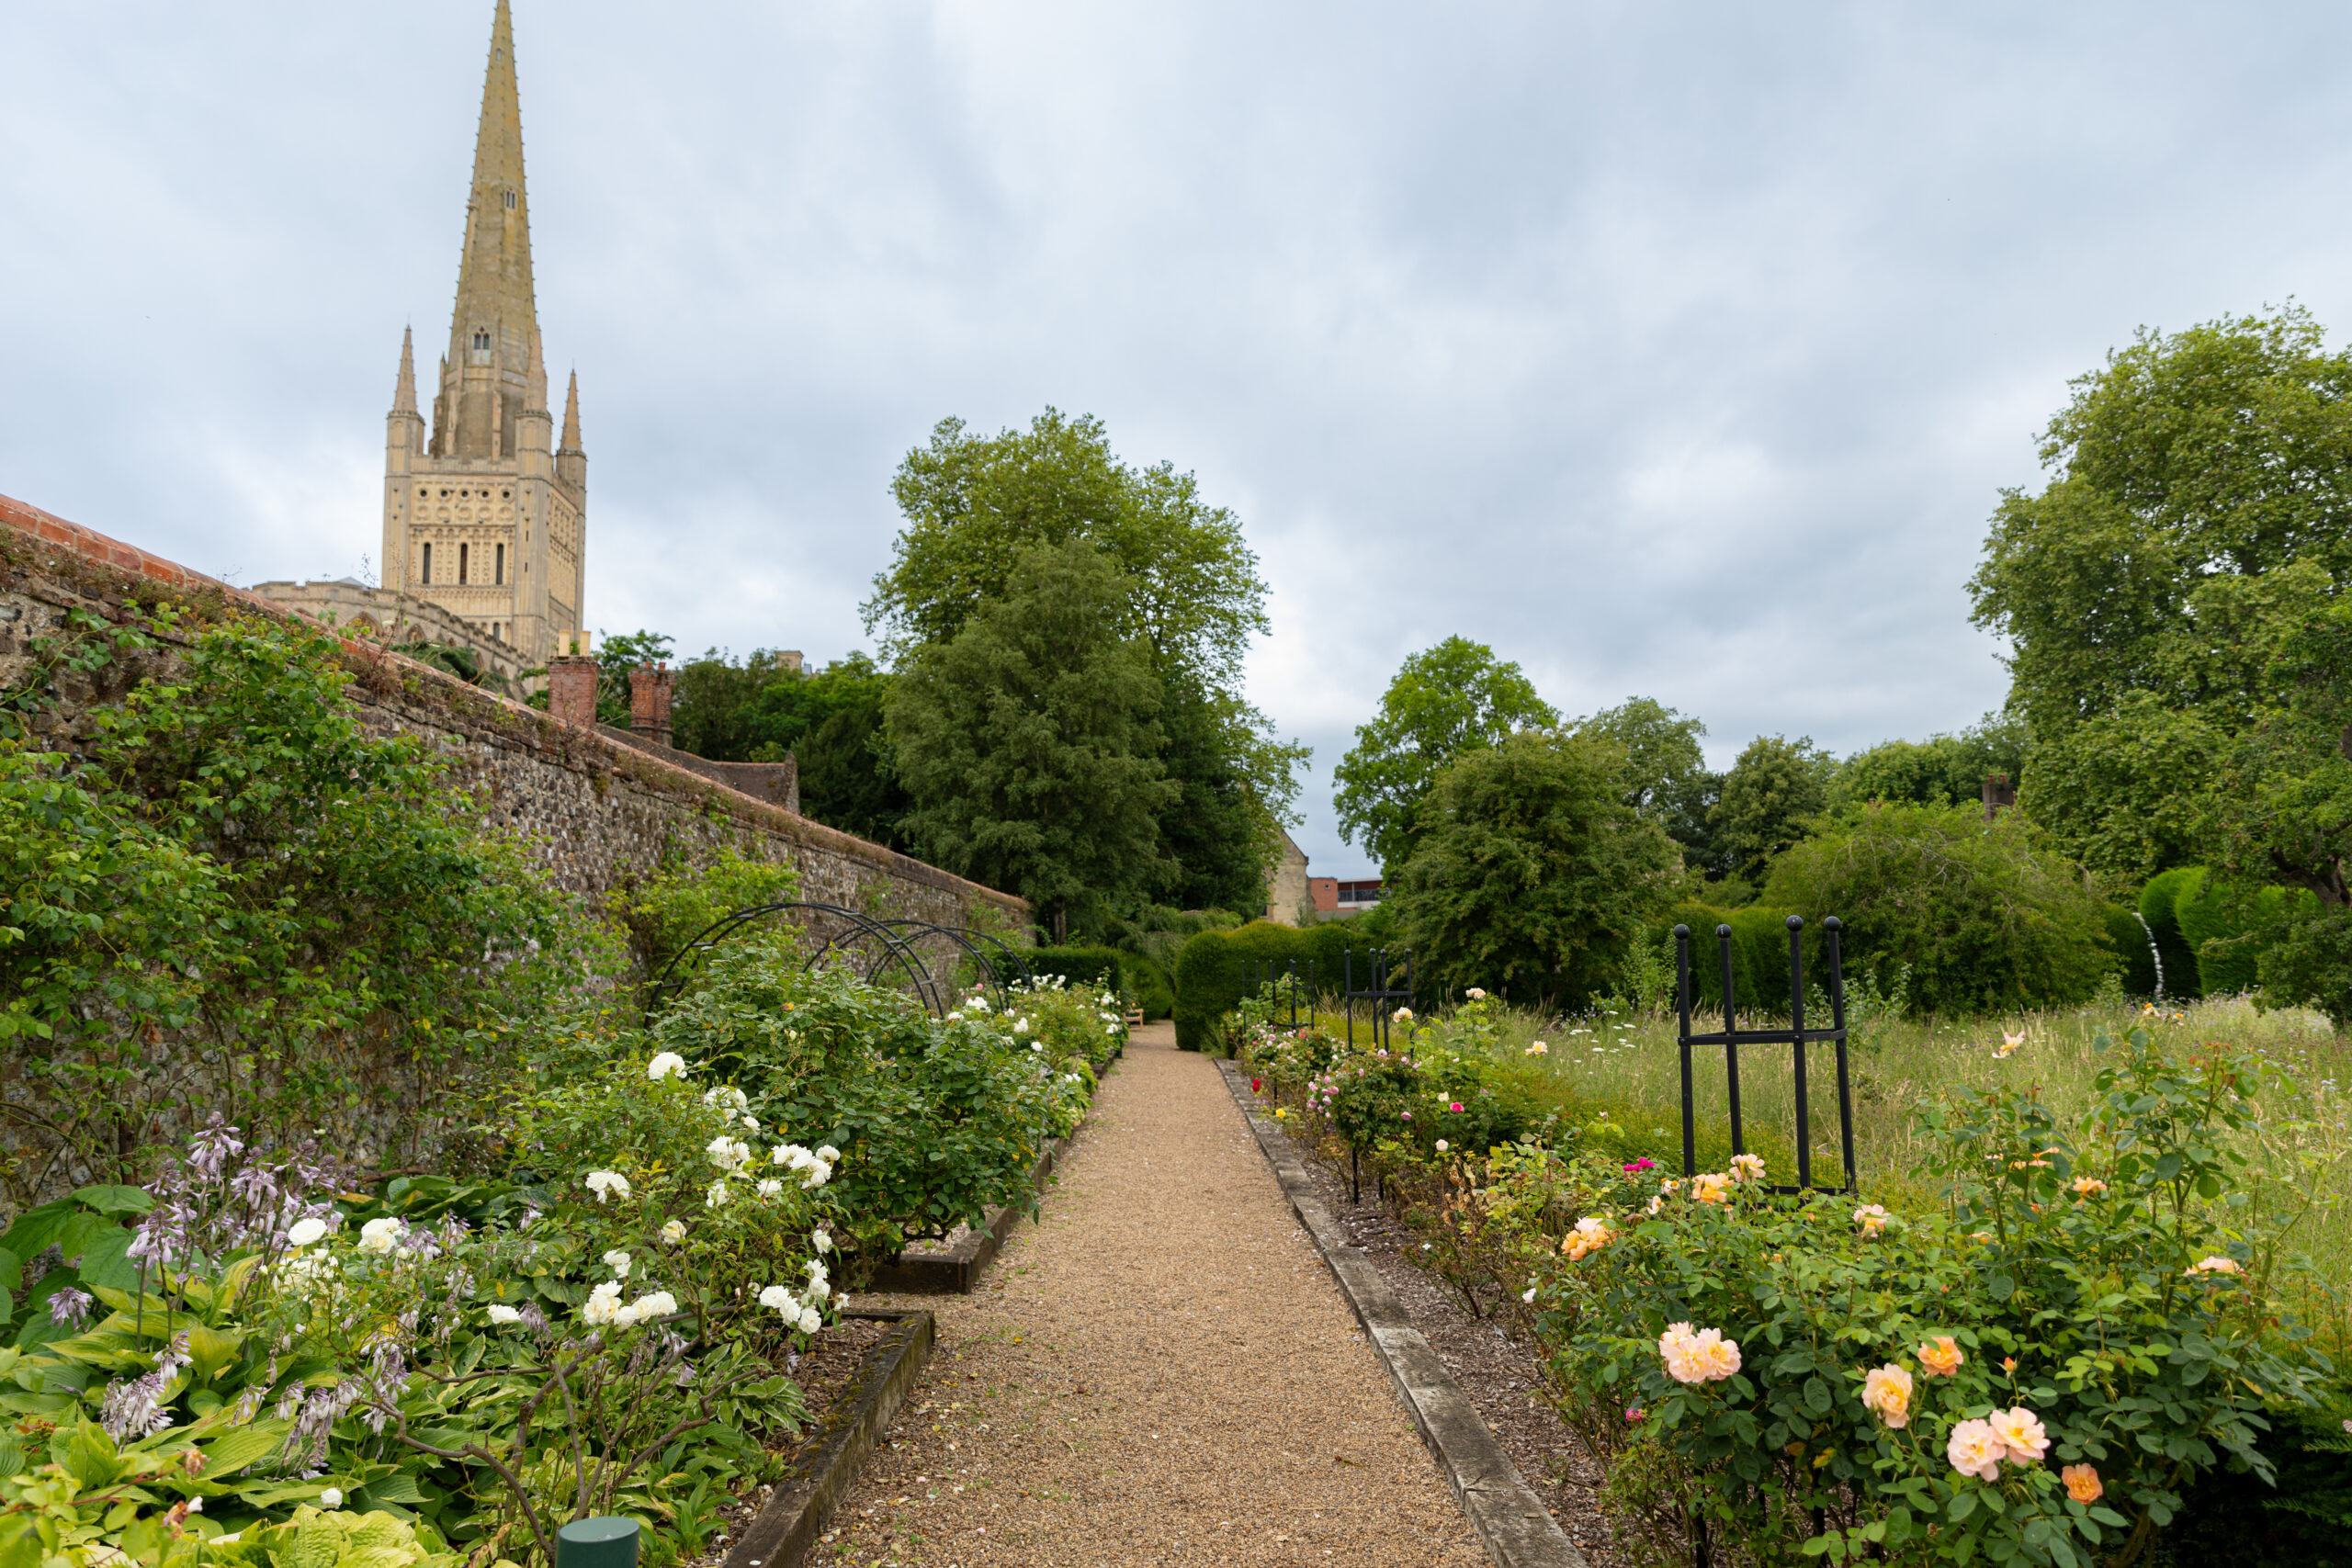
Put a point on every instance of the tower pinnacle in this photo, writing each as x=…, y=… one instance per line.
x=404, y=390
x=570, y=441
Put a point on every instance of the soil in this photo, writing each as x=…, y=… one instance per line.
x=1159, y=1372
x=823, y=1374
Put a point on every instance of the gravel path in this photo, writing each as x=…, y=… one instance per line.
x=1160, y=1372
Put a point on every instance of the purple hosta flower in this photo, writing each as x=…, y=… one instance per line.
x=163, y=1236
x=133, y=1407
x=534, y=1319
x=70, y=1306
x=305, y=1445
x=213, y=1146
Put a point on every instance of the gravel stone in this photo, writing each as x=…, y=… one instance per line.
x=1162, y=1371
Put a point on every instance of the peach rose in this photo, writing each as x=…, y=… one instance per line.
x=1886, y=1392
x=1940, y=1358
x=2083, y=1484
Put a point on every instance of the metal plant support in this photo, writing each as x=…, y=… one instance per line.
x=1268, y=972
x=1796, y=1035
x=1377, y=991
x=876, y=950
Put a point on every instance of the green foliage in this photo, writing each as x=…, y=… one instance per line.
x=1215, y=830
x=1104, y=968
x=617, y=656
x=2193, y=521
x=829, y=719
x=1665, y=773
x=977, y=506
x=2175, y=954
x=1213, y=972
x=1986, y=916
x=1029, y=742
x=1446, y=702
x=1775, y=788
x=238, y=866
x=1531, y=874
x=2282, y=813
x=1943, y=769
x=663, y=912
x=2301, y=1517
x=1760, y=949
x=2073, y=1269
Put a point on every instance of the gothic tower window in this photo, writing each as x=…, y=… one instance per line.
x=461, y=562
x=500, y=580
x=426, y=577
x=509, y=201
x=481, y=346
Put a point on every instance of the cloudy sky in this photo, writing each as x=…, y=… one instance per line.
x=1679, y=350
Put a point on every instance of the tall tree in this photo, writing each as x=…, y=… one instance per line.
x=1943, y=769
x=1530, y=874
x=1030, y=741
x=2202, y=484
x=1446, y=702
x=1772, y=791
x=1191, y=588
x=1667, y=777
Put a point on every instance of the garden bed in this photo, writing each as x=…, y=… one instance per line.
x=854, y=1377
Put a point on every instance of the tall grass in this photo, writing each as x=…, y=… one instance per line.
x=2301, y=1153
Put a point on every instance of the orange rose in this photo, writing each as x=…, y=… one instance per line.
x=2083, y=1484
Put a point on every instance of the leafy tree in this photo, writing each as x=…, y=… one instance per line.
x=1943, y=769
x=849, y=777
x=2283, y=813
x=2197, y=514
x=975, y=504
x=1666, y=776
x=1987, y=917
x=1191, y=590
x=1530, y=875
x=1770, y=793
x=1444, y=702
x=1210, y=829
x=1030, y=741
x=616, y=658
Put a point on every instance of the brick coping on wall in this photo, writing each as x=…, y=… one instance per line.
x=93, y=549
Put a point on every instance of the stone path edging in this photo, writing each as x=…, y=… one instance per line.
x=796, y=1510
x=1511, y=1521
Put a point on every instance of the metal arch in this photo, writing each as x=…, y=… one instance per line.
x=995, y=978
x=669, y=982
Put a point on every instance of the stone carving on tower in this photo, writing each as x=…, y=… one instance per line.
x=483, y=517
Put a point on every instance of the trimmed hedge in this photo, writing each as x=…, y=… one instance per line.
x=1102, y=967
x=1213, y=969
x=2225, y=965
x=1154, y=992
x=2130, y=940
x=2159, y=905
x=1760, y=959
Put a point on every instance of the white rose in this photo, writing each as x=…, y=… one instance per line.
x=382, y=1235
x=779, y=1298
x=827, y=1152
x=771, y=1188
x=505, y=1314
x=717, y=1197
x=812, y=1320
x=666, y=1065
x=607, y=1184
x=332, y=1497
x=816, y=1177
x=821, y=1240
x=305, y=1231
x=675, y=1232
x=659, y=1303
x=750, y=1123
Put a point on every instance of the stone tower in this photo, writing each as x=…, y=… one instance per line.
x=481, y=517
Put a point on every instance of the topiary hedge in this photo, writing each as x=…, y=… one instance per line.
x=1213, y=969
x=1759, y=958
x=2159, y=905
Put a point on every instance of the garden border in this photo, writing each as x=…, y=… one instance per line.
x=1514, y=1526
x=955, y=1271
x=805, y=1498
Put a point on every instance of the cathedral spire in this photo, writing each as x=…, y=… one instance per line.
x=495, y=330
x=404, y=390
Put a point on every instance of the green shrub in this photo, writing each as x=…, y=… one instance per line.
x=1102, y=968
x=1988, y=917
x=663, y=912
x=1213, y=972
x=2129, y=939
x=1759, y=958
x=1154, y=992
x=2229, y=929
x=2160, y=907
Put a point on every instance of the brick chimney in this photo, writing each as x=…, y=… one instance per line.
x=2000, y=795
x=649, y=701
x=571, y=681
